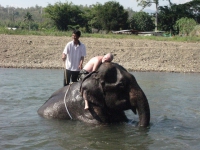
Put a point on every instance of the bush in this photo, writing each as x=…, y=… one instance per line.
x=185, y=25
x=196, y=31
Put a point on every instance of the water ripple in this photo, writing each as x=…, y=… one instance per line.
x=173, y=98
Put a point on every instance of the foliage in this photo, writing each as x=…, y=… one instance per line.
x=185, y=25
x=166, y=19
x=168, y=16
x=47, y=24
x=64, y=14
x=13, y=17
x=93, y=15
x=109, y=16
x=193, y=8
x=142, y=21
x=148, y=3
x=97, y=35
x=195, y=31
x=113, y=16
x=130, y=12
x=28, y=18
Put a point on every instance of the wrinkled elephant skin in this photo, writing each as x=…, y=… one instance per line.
x=110, y=91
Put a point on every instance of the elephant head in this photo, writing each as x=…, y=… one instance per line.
x=114, y=90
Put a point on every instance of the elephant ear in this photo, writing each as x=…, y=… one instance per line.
x=139, y=102
x=92, y=87
x=86, y=77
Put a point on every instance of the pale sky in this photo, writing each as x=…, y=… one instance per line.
x=126, y=3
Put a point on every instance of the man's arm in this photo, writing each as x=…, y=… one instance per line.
x=81, y=63
x=63, y=56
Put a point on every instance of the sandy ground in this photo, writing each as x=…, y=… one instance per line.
x=135, y=55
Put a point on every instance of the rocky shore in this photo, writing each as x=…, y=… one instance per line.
x=135, y=55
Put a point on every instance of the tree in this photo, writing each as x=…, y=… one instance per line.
x=94, y=14
x=65, y=15
x=166, y=19
x=185, y=25
x=28, y=18
x=142, y=21
x=167, y=16
x=111, y=16
x=148, y=3
x=14, y=16
x=193, y=7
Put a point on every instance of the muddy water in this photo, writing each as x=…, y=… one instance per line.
x=174, y=100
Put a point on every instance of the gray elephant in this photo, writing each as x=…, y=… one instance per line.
x=110, y=91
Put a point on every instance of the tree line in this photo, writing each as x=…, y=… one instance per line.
x=106, y=17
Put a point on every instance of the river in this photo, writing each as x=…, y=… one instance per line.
x=174, y=100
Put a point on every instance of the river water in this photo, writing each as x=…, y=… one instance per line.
x=174, y=100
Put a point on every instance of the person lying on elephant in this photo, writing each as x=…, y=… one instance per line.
x=92, y=65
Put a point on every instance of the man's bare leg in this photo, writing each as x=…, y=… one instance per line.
x=86, y=105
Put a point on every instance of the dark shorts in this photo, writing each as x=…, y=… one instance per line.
x=70, y=76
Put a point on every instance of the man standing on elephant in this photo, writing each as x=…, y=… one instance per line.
x=92, y=65
x=73, y=56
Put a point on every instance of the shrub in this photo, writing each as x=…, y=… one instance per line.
x=185, y=25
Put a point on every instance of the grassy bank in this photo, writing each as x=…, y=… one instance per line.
x=97, y=35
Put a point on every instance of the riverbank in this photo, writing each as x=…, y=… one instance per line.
x=25, y=51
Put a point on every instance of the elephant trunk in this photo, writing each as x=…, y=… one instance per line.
x=139, y=101
x=143, y=112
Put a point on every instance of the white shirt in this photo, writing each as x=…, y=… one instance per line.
x=73, y=55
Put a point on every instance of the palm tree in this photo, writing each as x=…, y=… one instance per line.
x=28, y=18
x=148, y=3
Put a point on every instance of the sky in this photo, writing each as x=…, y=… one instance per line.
x=125, y=3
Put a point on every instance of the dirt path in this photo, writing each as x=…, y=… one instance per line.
x=135, y=55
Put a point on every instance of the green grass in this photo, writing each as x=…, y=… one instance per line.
x=96, y=35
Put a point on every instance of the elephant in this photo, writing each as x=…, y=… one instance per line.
x=110, y=91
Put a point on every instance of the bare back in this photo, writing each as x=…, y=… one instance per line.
x=93, y=64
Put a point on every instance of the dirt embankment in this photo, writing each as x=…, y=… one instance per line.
x=135, y=55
